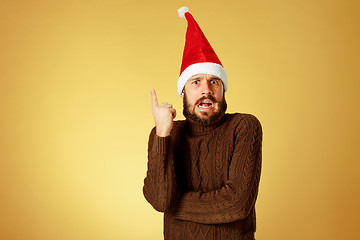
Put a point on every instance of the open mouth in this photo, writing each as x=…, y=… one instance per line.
x=205, y=104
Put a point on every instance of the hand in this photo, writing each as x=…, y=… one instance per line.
x=163, y=116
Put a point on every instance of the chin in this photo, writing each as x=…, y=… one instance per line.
x=205, y=115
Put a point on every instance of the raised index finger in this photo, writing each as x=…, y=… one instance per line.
x=154, y=98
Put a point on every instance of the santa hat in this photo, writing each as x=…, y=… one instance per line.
x=198, y=56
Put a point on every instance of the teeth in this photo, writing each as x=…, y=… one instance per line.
x=207, y=102
x=204, y=106
x=201, y=105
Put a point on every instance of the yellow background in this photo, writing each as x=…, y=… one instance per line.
x=75, y=111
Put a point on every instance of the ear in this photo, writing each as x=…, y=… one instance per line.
x=182, y=94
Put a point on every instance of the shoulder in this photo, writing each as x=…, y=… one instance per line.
x=244, y=124
x=177, y=127
x=179, y=122
x=243, y=119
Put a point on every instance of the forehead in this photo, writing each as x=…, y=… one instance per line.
x=201, y=76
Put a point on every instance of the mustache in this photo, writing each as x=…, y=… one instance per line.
x=205, y=97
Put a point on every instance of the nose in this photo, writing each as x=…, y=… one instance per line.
x=206, y=89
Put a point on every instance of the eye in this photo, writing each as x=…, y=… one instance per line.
x=214, y=81
x=195, y=82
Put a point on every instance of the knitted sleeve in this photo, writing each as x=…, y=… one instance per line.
x=160, y=182
x=237, y=197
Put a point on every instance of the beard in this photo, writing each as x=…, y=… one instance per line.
x=189, y=111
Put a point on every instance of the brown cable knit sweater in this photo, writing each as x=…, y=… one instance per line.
x=205, y=178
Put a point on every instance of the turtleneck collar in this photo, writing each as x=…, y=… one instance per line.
x=198, y=129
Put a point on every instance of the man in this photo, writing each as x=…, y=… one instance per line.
x=203, y=172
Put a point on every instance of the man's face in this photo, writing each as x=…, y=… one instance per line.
x=204, y=100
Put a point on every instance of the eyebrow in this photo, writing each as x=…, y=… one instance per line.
x=211, y=78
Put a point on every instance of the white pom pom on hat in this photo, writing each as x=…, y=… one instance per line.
x=198, y=55
x=182, y=11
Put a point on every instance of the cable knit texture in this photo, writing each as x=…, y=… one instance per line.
x=205, y=178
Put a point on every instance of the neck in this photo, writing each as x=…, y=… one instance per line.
x=197, y=128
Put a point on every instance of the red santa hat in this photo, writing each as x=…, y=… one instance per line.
x=198, y=56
